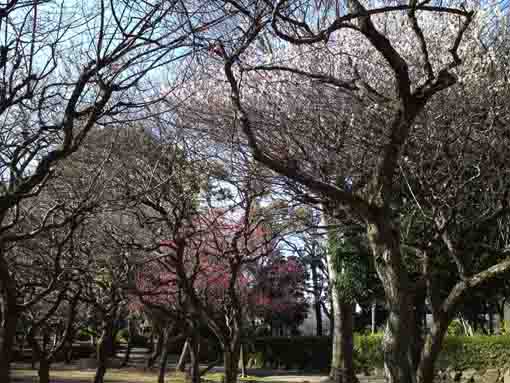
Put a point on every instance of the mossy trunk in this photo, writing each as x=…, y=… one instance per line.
x=398, y=339
x=342, y=363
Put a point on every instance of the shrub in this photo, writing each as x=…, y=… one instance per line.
x=122, y=335
x=368, y=352
x=299, y=352
x=83, y=334
x=314, y=353
x=479, y=352
x=455, y=328
x=310, y=352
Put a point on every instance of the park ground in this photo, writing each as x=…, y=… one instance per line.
x=136, y=373
x=23, y=374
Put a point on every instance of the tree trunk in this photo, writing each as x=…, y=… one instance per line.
x=342, y=329
x=417, y=341
x=164, y=358
x=230, y=363
x=347, y=324
x=397, y=340
x=100, y=372
x=317, y=298
x=342, y=362
x=112, y=349
x=44, y=370
x=103, y=352
x=430, y=352
x=68, y=353
x=125, y=362
x=157, y=351
x=181, y=364
x=194, y=352
x=242, y=364
x=373, y=312
x=8, y=336
x=491, y=320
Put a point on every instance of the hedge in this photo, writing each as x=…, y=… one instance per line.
x=479, y=352
x=314, y=353
x=300, y=352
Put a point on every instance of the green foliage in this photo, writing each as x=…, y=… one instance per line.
x=137, y=340
x=310, y=352
x=479, y=352
x=505, y=327
x=122, y=335
x=84, y=334
x=350, y=264
x=455, y=328
x=314, y=353
x=368, y=352
x=303, y=352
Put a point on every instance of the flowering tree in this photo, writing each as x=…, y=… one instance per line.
x=67, y=67
x=156, y=293
x=205, y=271
x=381, y=96
x=278, y=295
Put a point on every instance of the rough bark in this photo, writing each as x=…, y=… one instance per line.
x=342, y=361
x=342, y=367
x=443, y=316
x=336, y=355
x=397, y=340
x=430, y=352
x=230, y=363
x=347, y=324
x=374, y=210
x=417, y=339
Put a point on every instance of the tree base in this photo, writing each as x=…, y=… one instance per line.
x=340, y=375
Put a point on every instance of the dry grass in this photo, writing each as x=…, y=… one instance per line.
x=112, y=376
x=79, y=376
